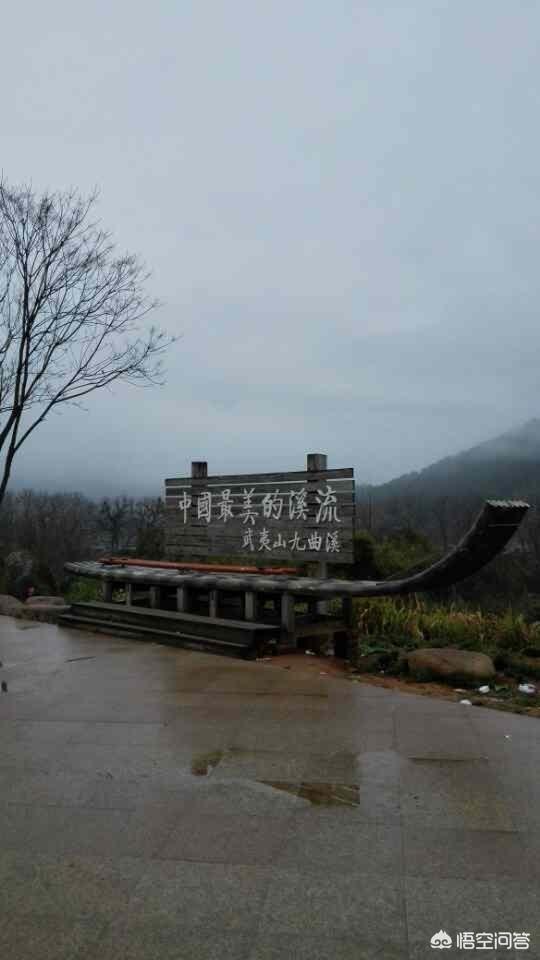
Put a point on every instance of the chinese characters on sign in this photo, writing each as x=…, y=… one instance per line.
x=305, y=515
x=291, y=505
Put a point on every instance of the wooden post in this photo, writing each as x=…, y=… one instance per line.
x=182, y=599
x=129, y=594
x=250, y=605
x=199, y=470
x=348, y=617
x=287, y=619
x=316, y=462
x=213, y=603
x=199, y=476
x=107, y=590
x=155, y=597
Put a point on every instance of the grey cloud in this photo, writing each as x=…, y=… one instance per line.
x=339, y=204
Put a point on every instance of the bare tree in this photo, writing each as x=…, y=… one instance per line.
x=50, y=528
x=116, y=519
x=150, y=528
x=69, y=313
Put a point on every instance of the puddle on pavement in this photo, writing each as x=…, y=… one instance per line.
x=318, y=794
x=321, y=794
x=203, y=764
x=446, y=759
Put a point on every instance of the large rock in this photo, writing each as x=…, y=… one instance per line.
x=19, y=570
x=10, y=606
x=45, y=608
x=49, y=601
x=449, y=663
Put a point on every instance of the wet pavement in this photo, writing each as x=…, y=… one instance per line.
x=160, y=803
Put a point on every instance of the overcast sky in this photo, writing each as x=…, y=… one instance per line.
x=338, y=201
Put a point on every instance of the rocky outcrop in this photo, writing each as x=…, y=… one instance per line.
x=35, y=608
x=34, y=601
x=449, y=663
x=10, y=606
x=45, y=608
x=19, y=569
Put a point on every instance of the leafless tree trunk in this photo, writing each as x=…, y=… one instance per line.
x=69, y=313
x=116, y=519
x=150, y=528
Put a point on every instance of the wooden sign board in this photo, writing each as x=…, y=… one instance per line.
x=296, y=517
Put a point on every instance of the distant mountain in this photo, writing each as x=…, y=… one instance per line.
x=507, y=466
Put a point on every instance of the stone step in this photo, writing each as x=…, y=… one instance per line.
x=176, y=638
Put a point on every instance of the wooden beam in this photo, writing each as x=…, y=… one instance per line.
x=317, y=462
x=251, y=604
x=287, y=618
x=155, y=597
x=213, y=603
x=183, y=599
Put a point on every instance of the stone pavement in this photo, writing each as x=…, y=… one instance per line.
x=160, y=803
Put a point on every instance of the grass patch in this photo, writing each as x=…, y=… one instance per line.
x=416, y=623
x=83, y=590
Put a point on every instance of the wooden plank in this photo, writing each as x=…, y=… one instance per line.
x=199, y=554
x=237, y=489
x=259, y=490
x=237, y=536
x=298, y=476
x=237, y=540
x=188, y=552
x=238, y=501
x=236, y=528
x=232, y=531
x=289, y=558
x=344, y=515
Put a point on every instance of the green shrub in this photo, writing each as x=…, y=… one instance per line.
x=413, y=623
x=83, y=590
x=401, y=552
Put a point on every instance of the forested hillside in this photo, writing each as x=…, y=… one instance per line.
x=442, y=500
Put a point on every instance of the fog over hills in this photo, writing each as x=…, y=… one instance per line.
x=506, y=466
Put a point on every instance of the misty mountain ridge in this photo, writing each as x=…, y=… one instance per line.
x=506, y=466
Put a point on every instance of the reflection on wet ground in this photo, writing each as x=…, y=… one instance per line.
x=321, y=794
x=203, y=764
x=157, y=802
x=318, y=794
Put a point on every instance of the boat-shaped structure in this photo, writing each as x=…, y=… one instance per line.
x=489, y=535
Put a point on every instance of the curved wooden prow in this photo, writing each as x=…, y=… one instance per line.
x=490, y=533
